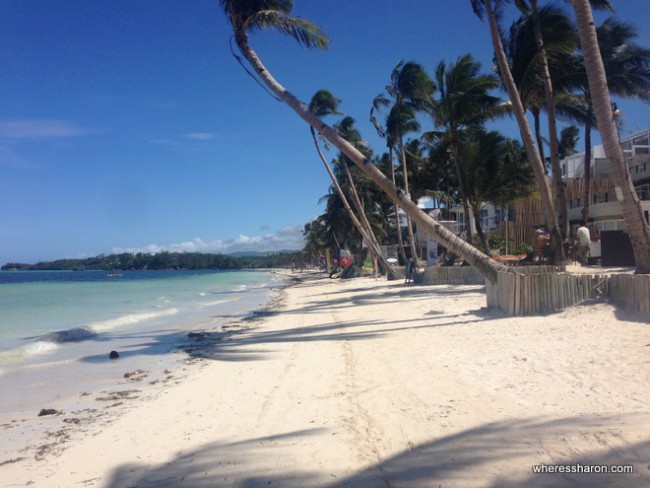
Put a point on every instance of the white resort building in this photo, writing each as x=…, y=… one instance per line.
x=605, y=215
x=605, y=210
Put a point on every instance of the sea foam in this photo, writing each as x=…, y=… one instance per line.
x=129, y=319
x=39, y=347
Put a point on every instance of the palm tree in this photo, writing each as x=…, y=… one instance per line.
x=627, y=67
x=638, y=227
x=437, y=176
x=464, y=102
x=346, y=129
x=540, y=38
x=336, y=218
x=389, y=134
x=316, y=238
x=248, y=15
x=410, y=90
x=324, y=103
x=568, y=143
x=497, y=172
x=482, y=7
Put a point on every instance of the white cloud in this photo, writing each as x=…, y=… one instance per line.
x=39, y=129
x=286, y=239
x=201, y=136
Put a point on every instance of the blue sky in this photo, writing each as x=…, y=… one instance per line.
x=127, y=125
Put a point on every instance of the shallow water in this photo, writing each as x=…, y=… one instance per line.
x=57, y=328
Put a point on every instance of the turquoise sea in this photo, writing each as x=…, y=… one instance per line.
x=57, y=328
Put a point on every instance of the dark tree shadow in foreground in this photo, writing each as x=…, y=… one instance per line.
x=482, y=456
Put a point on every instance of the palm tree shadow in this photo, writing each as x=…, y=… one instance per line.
x=473, y=457
x=241, y=340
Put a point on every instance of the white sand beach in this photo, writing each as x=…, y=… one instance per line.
x=369, y=383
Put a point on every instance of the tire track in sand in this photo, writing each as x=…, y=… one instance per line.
x=268, y=399
x=359, y=423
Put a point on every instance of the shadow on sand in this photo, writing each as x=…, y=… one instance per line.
x=235, y=341
x=495, y=455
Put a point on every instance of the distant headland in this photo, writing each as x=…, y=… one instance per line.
x=166, y=260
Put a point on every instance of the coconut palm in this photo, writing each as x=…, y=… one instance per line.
x=535, y=43
x=437, y=176
x=485, y=7
x=464, y=101
x=497, y=172
x=338, y=223
x=568, y=143
x=348, y=131
x=246, y=16
x=316, y=238
x=389, y=133
x=627, y=67
x=638, y=227
x=409, y=90
x=324, y=103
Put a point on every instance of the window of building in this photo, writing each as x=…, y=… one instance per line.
x=600, y=198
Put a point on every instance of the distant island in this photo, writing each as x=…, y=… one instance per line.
x=165, y=260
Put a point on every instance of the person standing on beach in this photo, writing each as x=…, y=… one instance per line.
x=541, y=243
x=584, y=239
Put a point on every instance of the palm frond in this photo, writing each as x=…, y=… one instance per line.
x=305, y=32
x=601, y=5
x=380, y=101
x=324, y=103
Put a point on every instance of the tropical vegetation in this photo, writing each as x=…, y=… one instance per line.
x=165, y=260
x=438, y=142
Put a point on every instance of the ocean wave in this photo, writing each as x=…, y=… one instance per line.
x=213, y=303
x=34, y=349
x=129, y=319
x=75, y=334
x=38, y=348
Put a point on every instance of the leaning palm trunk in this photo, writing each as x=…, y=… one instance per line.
x=372, y=242
x=560, y=193
x=356, y=201
x=384, y=266
x=483, y=263
x=409, y=225
x=398, y=223
x=557, y=246
x=638, y=227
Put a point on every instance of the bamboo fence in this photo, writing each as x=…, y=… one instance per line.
x=530, y=215
x=533, y=290
x=540, y=291
x=451, y=275
x=631, y=292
